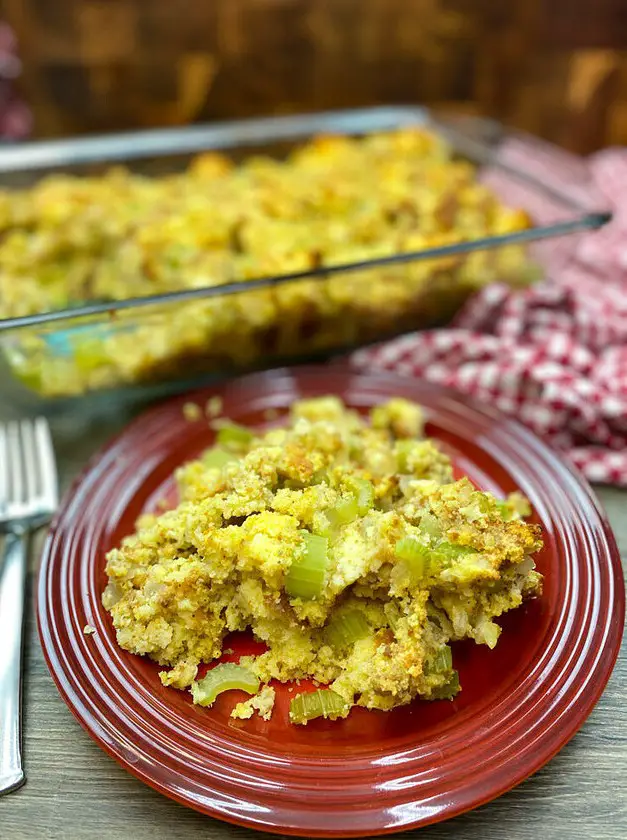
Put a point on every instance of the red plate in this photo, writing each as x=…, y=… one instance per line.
x=374, y=772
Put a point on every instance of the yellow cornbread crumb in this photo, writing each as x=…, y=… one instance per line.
x=72, y=239
x=213, y=408
x=344, y=545
x=191, y=412
x=263, y=703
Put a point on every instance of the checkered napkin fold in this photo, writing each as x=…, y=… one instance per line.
x=555, y=355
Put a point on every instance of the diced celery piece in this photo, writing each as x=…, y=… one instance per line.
x=305, y=578
x=442, y=661
x=347, y=628
x=234, y=436
x=450, y=689
x=217, y=458
x=364, y=493
x=224, y=677
x=345, y=510
x=322, y=703
x=505, y=510
x=416, y=555
x=451, y=551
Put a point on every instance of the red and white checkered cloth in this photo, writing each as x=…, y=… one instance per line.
x=555, y=355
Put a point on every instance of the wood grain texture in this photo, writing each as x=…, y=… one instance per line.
x=77, y=792
x=557, y=68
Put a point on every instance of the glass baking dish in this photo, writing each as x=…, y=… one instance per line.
x=302, y=313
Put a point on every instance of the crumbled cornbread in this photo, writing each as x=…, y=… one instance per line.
x=263, y=703
x=68, y=240
x=345, y=546
x=213, y=408
x=191, y=412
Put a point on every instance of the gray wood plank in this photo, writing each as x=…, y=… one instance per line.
x=75, y=791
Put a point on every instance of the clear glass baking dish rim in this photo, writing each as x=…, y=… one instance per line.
x=129, y=146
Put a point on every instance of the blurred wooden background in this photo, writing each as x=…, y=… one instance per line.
x=555, y=67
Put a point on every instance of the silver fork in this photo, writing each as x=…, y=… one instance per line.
x=28, y=498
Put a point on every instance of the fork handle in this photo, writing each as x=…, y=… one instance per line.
x=12, y=586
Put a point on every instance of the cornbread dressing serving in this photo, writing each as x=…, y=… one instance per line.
x=69, y=240
x=342, y=543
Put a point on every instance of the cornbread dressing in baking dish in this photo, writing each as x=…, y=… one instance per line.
x=343, y=544
x=69, y=240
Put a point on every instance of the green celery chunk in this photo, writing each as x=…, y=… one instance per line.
x=224, y=677
x=505, y=510
x=364, y=493
x=217, y=458
x=348, y=507
x=344, y=511
x=347, y=628
x=234, y=436
x=449, y=690
x=441, y=662
x=416, y=555
x=451, y=551
x=322, y=703
x=305, y=578
x=422, y=560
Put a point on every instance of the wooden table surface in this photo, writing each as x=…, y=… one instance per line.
x=77, y=792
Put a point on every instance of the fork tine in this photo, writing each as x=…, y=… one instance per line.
x=31, y=469
x=16, y=485
x=4, y=466
x=46, y=459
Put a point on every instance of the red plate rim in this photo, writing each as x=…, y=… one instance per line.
x=223, y=775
